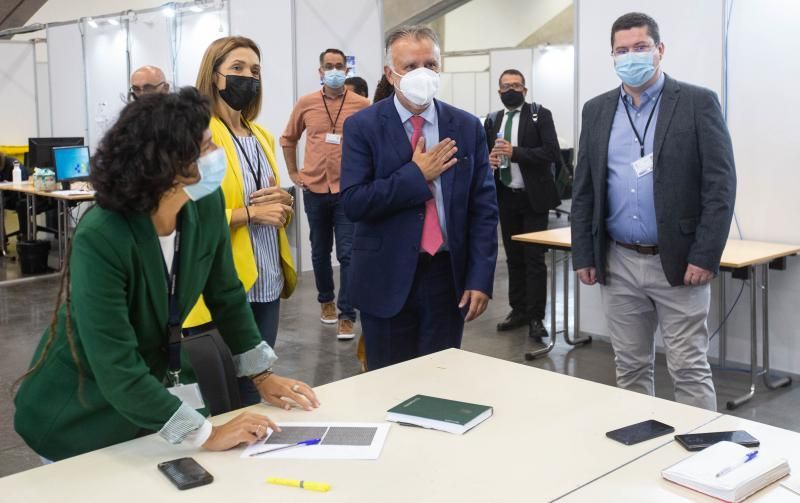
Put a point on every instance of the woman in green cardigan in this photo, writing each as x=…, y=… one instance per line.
x=100, y=373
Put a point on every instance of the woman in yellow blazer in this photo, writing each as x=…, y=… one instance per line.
x=258, y=210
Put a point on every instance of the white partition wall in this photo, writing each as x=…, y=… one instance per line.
x=195, y=32
x=67, y=81
x=693, y=53
x=355, y=27
x=553, y=86
x=151, y=43
x=518, y=59
x=107, y=68
x=18, y=100
x=761, y=102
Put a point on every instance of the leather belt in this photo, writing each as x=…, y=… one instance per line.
x=644, y=250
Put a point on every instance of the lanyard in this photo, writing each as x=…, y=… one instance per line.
x=174, y=321
x=641, y=139
x=333, y=122
x=255, y=172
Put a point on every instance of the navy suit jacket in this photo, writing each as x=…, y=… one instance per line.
x=383, y=192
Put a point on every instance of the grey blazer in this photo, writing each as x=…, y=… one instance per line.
x=694, y=185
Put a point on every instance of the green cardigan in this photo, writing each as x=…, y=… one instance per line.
x=119, y=317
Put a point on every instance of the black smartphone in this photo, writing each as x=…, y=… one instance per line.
x=640, y=432
x=185, y=473
x=699, y=441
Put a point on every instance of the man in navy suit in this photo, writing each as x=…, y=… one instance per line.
x=416, y=181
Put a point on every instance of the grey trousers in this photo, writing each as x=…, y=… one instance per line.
x=637, y=298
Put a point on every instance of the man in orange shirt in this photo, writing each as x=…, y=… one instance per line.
x=321, y=115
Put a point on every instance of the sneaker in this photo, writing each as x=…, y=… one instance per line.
x=328, y=315
x=345, y=331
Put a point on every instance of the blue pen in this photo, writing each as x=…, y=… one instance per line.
x=313, y=441
x=728, y=469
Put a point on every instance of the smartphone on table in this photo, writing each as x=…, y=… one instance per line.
x=185, y=473
x=639, y=432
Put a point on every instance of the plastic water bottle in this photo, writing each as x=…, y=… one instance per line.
x=503, y=158
x=16, y=174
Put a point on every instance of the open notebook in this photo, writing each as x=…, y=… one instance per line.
x=699, y=472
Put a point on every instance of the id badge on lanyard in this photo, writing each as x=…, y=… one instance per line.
x=186, y=393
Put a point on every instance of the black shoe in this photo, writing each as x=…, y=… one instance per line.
x=537, y=331
x=512, y=321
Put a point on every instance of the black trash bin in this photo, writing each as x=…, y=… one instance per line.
x=33, y=256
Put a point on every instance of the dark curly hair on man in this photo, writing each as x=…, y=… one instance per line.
x=155, y=139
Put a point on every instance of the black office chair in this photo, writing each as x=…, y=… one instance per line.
x=213, y=366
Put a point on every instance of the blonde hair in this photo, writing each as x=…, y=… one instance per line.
x=212, y=59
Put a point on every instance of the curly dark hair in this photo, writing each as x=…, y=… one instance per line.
x=155, y=139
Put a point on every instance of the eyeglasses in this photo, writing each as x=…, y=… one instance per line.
x=146, y=89
x=330, y=66
x=638, y=49
x=515, y=86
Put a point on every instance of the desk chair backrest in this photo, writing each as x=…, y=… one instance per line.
x=212, y=363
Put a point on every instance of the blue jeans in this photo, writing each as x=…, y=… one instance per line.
x=326, y=219
x=267, y=315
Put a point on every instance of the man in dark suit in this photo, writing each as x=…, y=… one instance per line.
x=651, y=210
x=416, y=181
x=524, y=150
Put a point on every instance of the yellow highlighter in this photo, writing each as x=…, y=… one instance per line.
x=302, y=484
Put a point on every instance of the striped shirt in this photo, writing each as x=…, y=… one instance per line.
x=269, y=284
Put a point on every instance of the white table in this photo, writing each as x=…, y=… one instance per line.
x=641, y=481
x=546, y=438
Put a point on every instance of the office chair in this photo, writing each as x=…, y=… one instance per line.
x=213, y=366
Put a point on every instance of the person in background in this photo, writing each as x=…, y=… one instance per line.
x=357, y=85
x=147, y=80
x=13, y=200
x=652, y=205
x=417, y=183
x=257, y=209
x=100, y=374
x=321, y=115
x=383, y=90
x=526, y=192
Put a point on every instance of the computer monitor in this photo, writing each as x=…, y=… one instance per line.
x=72, y=164
x=40, y=150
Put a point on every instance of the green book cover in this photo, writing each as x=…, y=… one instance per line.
x=439, y=409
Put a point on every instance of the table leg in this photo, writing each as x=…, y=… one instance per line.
x=62, y=231
x=732, y=404
x=723, y=332
x=577, y=340
x=30, y=207
x=780, y=382
x=530, y=355
x=3, y=252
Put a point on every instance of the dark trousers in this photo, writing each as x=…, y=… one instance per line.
x=527, y=271
x=267, y=315
x=430, y=320
x=326, y=219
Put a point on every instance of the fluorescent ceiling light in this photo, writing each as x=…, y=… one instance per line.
x=196, y=8
x=91, y=22
x=113, y=22
x=168, y=11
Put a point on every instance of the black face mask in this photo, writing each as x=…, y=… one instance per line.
x=240, y=91
x=512, y=99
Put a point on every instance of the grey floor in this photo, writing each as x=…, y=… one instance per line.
x=309, y=351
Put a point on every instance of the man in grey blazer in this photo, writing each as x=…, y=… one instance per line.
x=652, y=205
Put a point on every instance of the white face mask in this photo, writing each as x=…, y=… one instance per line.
x=419, y=86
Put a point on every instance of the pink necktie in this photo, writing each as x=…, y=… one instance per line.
x=431, y=231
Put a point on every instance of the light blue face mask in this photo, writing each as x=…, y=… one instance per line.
x=212, y=168
x=334, y=78
x=635, y=68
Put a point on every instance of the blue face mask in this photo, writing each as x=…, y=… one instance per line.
x=212, y=168
x=334, y=78
x=634, y=69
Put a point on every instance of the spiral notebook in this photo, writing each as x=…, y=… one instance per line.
x=699, y=472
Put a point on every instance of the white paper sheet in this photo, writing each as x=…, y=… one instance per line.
x=339, y=441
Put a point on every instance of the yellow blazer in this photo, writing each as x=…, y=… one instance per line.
x=233, y=189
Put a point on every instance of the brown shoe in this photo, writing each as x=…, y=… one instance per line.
x=328, y=315
x=345, y=331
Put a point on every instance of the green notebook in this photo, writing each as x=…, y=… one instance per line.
x=439, y=414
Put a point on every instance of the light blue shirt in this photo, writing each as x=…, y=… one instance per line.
x=430, y=131
x=631, y=208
